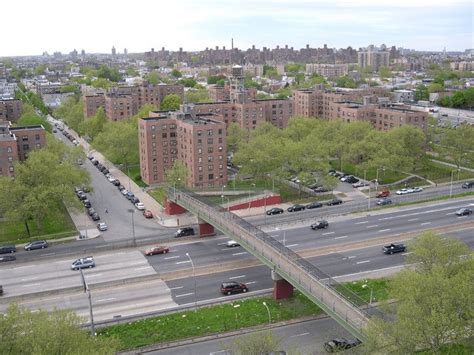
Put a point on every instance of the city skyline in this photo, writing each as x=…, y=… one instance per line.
x=195, y=25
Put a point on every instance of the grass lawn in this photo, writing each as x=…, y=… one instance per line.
x=379, y=289
x=134, y=173
x=385, y=177
x=57, y=225
x=158, y=194
x=441, y=173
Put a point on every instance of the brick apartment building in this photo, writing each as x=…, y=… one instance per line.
x=197, y=140
x=16, y=143
x=373, y=58
x=10, y=110
x=327, y=70
x=124, y=102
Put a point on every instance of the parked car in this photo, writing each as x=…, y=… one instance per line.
x=320, y=189
x=105, y=171
x=95, y=162
x=5, y=249
x=7, y=258
x=37, y=244
x=322, y=224
x=129, y=195
x=124, y=192
x=95, y=217
x=83, y=197
x=360, y=184
x=339, y=344
x=87, y=203
x=147, y=214
x=296, y=208
x=232, y=243
x=230, y=287
x=116, y=182
x=121, y=188
x=135, y=200
x=140, y=206
x=184, y=232
x=91, y=211
x=333, y=202
x=83, y=263
x=383, y=193
x=1, y=290
x=384, y=201
x=468, y=185
x=274, y=210
x=464, y=211
x=102, y=227
x=157, y=250
x=314, y=205
x=111, y=179
x=352, y=180
x=394, y=248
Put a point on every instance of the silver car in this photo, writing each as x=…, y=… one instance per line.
x=83, y=263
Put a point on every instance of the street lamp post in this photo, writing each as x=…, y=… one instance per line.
x=88, y=291
x=368, y=207
x=268, y=310
x=451, y=185
x=194, y=277
x=371, y=292
x=228, y=202
x=377, y=178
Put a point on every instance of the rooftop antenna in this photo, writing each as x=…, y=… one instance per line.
x=231, y=49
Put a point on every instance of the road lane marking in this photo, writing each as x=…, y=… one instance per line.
x=384, y=230
x=242, y=253
x=94, y=275
x=372, y=226
x=141, y=268
x=363, y=262
x=327, y=233
x=176, y=288
x=225, y=249
x=48, y=254
x=362, y=222
x=298, y=335
x=424, y=224
x=30, y=278
x=342, y=237
x=236, y=277
x=412, y=219
x=222, y=243
x=351, y=257
x=106, y=299
x=185, y=294
x=291, y=245
x=171, y=257
x=183, y=262
x=251, y=282
x=30, y=285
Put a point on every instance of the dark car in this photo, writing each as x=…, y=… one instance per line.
x=352, y=180
x=91, y=211
x=83, y=197
x=7, y=258
x=5, y=249
x=95, y=217
x=320, y=189
x=384, y=201
x=184, y=232
x=336, y=201
x=37, y=244
x=87, y=204
x=323, y=224
x=134, y=200
x=230, y=287
x=463, y=211
x=339, y=344
x=129, y=195
x=296, y=208
x=116, y=182
x=95, y=162
x=99, y=166
x=468, y=185
x=105, y=171
x=274, y=210
x=1, y=290
x=314, y=205
x=148, y=214
x=121, y=187
x=394, y=248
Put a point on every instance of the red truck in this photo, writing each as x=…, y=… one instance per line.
x=383, y=193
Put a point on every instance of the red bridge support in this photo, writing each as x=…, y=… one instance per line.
x=172, y=208
x=205, y=229
x=281, y=287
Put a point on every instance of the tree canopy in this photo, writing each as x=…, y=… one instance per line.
x=170, y=102
x=108, y=73
x=177, y=175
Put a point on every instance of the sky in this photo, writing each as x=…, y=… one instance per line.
x=31, y=27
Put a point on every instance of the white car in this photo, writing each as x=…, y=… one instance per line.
x=102, y=227
x=111, y=178
x=417, y=189
x=124, y=192
x=140, y=206
x=232, y=243
x=404, y=191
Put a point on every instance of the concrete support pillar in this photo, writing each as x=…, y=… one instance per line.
x=281, y=287
x=205, y=229
x=172, y=208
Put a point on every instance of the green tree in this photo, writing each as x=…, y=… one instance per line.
x=71, y=112
x=213, y=79
x=421, y=92
x=445, y=101
x=177, y=175
x=131, y=71
x=256, y=344
x=108, y=73
x=197, y=95
x=235, y=137
x=346, y=82
x=170, y=102
x=434, y=301
x=385, y=72
x=93, y=126
x=270, y=72
x=29, y=117
x=458, y=145
x=435, y=87
x=153, y=77
x=55, y=332
x=187, y=82
x=101, y=83
x=409, y=143
x=176, y=73
x=469, y=97
x=40, y=69
x=458, y=100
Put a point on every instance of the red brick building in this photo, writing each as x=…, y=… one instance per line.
x=10, y=110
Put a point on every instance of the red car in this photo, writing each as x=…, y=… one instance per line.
x=148, y=214
x=157, y=250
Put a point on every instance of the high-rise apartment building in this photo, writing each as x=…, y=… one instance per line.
x=327, y=70
x=373, y=58
x=10, y=110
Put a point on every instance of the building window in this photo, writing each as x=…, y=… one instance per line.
x=199, y=151
x=11, y=168
x=210, y=149
x=211, y=176
x=199, y=133
x=164, y=135
x=24, y=138
x=37, y=137
x=220, y=139
x=210, y=141
x=10, y=159
x=26, y=147
x=153, y=128
x=210, y=167
x=199, y=168
x=209, y=132
x=220, y=148
x=220, y=131
x=209, y=158
x=200, y=177
x=153, y=136
x=200, y=160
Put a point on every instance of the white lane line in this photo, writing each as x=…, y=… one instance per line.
x=351, y=257
x=30, y=285
x=48, y=254
x=327, y=233
x=121, y=253
x=183, y=262
x=363, y=262
x=60, y=261
x=298, y=335
x=141, y=268
x=176, y=288
x=361, y=222
x=105, y=299
x=373, y=226
x=291, y=245
x=30, y=278
x=424, y=224
x=222, y=243
x=94, y=275
x=450, y=213
x=185, y=294
x=251, y=282
x=225, y=249
x=171, y=257
x=242, y=253
x=21, y=267
x=412, y=219
x=384, y=230
x=236, y=277
x=342, y=237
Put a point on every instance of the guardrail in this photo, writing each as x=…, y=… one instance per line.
x=342, y=304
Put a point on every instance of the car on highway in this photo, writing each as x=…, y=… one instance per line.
x=340, y=344
x=95, y=217
x=405, y=191
x=147, y=214
x=230, y=287
x=37, y=244
x=465, y=211
x=360, y=184
x=333, y=202
x=157, y=250
x=83, y=263
x=7, y=258
x=102, y=227
x=6, y=249
x=468, y=185
x=274, y=210
x=140, y=206
x=322, y=224
x=232, y=243
x=314, y=205
x=1, y=290
x=394, y=248
x=383, y=193
x=417, y=189
x=184, y=232
x=296, y=208
x=384, y=201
